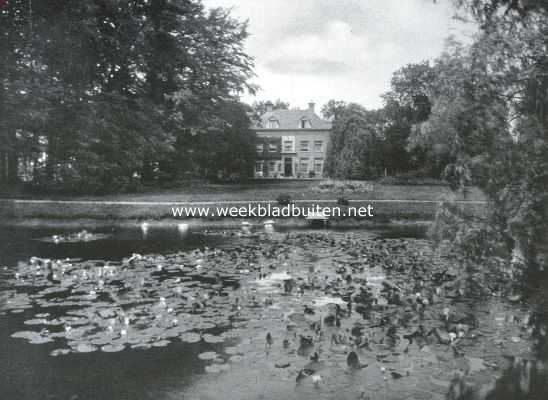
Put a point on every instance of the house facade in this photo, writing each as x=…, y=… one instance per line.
x=291, y=143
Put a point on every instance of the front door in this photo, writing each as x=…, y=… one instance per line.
x=288, y=166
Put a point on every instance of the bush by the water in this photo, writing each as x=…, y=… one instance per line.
x=284, y=199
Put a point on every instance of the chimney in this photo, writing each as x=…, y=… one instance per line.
x=269, y=106
x=311, y=106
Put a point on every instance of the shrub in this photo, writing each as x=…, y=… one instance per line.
x=326, y=185
x=284, y=199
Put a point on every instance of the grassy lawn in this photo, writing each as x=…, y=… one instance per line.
x=117, y=207
x=305, y=190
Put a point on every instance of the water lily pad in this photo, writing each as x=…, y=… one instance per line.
x=232, y=350
x=236, y=358
x=59, y=352
x=161, y=343
x=32, y=337
x=212, y=338
x=85, y=348
x=216, y=368
x=208, y=356
x=190, y=337
x=36, y=321
x=113, y=348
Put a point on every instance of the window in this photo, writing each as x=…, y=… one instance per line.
x=259, y=148
x=272, y=166
x=273, y=123
x=272, y=147
x=304, y=145
x=318, y=146
x=303, y=165
x=259, y=166
x=318, y=165
x=288, y=144
x=305, y=123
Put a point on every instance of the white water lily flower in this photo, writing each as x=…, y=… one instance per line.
x=316, y=379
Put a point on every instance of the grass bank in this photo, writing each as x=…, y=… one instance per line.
x=388, y=201
x=265, y=190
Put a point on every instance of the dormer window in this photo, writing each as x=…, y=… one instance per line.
x=272, y=123
x=305, y=124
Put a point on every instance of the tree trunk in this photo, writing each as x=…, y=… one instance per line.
x=12, y=160
x=3, y=167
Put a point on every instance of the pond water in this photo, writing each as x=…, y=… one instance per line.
x=164, y=313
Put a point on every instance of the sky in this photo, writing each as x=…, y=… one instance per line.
x=317, y=50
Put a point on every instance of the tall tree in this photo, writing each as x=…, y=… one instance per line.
x=499, y=124
x=105, y=78
x=333, y=109
x=353, y=151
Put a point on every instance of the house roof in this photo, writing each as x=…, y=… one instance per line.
x=291, y=119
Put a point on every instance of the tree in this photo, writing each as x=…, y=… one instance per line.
x=497, y=124
x=91, y=81
x=226, y=148
x=258, y=108
x=408, y=103
x=353, y=151
x=464, y=118
x=333, y=109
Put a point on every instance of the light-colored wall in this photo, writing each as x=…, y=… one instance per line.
x=300, y=134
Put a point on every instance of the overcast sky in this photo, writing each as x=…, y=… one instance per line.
x=338, y=49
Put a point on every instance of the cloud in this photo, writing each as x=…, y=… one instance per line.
x=332, y=51
x=343, y=49
x=312, y=65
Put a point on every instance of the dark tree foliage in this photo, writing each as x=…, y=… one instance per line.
x=95, y=95
x=503, y=142
x=333, y=109
x=485, y=11
x=370, y=144
x=355, y=141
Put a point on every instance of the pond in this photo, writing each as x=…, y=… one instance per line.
x=172, y=312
